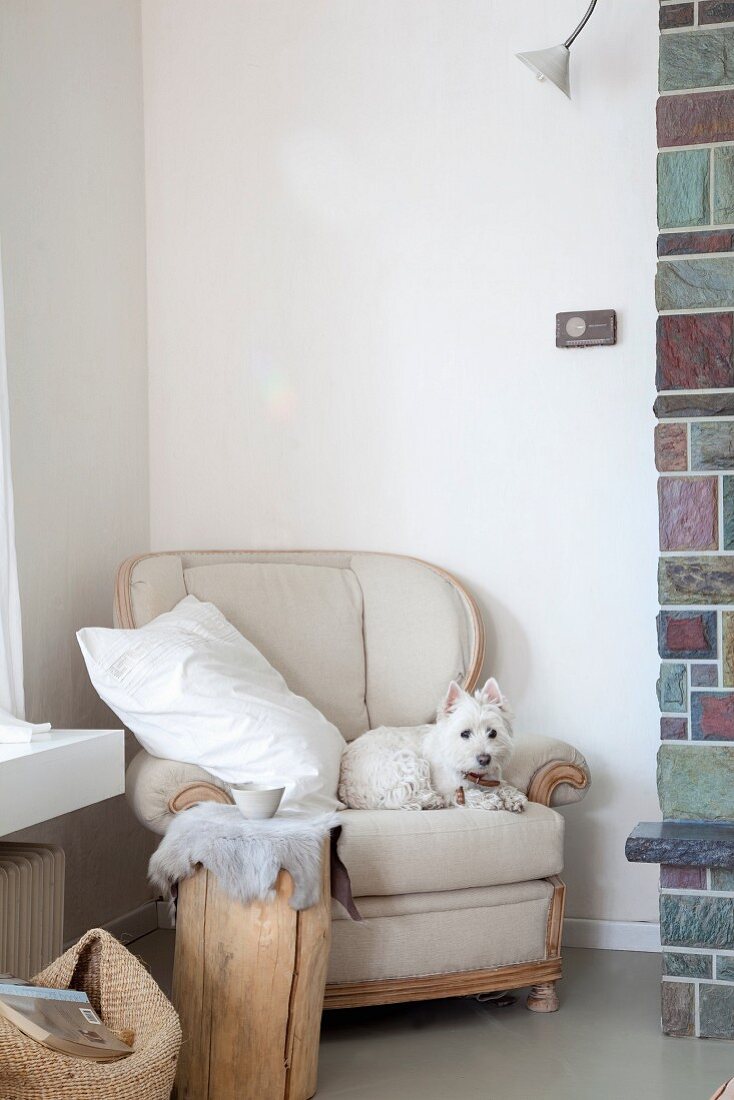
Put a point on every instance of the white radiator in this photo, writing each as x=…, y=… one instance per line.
x=31, y=907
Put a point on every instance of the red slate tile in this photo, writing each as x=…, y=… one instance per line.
x=673, y=729
x=715, y=11
x=688, y=511
x=682, y=878
x=692, y=244
x=694, y=352
x=712, y=716
x=671, y=447
x=686, y=634
x=676, y=15
x=695, y=118
x=678, y=1009
x=704, y=676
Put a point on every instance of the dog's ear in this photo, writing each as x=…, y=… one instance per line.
x=450, y=703
x=491, y=693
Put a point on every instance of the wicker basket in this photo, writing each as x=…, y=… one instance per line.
x=129, y=1002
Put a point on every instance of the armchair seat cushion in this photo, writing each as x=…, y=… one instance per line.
x=413, y=852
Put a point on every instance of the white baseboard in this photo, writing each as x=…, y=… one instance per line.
x=611, y=935
x=139, y=922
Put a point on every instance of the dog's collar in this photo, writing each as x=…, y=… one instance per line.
x=481, y=780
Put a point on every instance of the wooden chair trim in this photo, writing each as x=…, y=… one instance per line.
x=198, y=791
x=556, y=910
x=551, y=775
x=435, y=986
x=467, y=982
x=123, y=612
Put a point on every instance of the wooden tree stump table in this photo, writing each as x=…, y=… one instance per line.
x=248, y=985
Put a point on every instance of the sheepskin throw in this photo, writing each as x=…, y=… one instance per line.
x=246, y=856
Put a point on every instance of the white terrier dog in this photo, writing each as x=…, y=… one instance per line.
x=423, y=767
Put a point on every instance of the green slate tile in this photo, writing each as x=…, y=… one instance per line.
x=695, y=283
x=696, y=921
x=672, y=688
x=712, y=445
x=696, y=782
x=728, y=499
x=679, y=964
x=683, y=188
x=723, y=185
x=716, y=1011
x=698, y=59
x=721, y=879
x=725, y=968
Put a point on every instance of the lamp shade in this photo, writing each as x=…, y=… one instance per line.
x=551, y=64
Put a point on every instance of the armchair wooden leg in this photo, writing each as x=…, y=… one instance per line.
x=543, y=998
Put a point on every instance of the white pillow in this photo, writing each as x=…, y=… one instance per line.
x=191, y=688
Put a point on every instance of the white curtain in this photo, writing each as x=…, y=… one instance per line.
x=11, y=639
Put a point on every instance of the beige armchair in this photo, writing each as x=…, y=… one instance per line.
x=457, y=901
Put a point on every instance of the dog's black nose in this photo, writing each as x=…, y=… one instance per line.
x=484, y=759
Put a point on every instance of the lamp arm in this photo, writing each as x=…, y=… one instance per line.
x=574, y=35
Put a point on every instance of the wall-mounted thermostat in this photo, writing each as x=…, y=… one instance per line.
x=592, y=328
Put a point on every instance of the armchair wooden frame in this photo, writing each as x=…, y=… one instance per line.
x=541, y=975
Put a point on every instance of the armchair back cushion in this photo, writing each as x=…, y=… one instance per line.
x=369, y=639
x=307, y=621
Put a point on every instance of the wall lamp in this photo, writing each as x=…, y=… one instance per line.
x=553, y=64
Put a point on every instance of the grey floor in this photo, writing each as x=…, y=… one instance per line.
x=604, y=1043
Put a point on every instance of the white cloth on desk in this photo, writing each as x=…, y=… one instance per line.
x=14, y=731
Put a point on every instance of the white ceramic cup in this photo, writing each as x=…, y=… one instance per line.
x=257, y=801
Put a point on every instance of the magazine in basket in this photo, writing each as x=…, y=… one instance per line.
x=62, y=1019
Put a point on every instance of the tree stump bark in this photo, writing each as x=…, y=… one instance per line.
x=249, y=989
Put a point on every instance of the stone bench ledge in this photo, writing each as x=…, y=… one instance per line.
x=682, y=844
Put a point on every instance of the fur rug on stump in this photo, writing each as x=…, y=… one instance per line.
x=246, y=856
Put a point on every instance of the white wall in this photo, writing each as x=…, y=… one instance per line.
x=362, y=219
x=72, y=222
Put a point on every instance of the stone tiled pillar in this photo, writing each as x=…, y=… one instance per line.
x=694, y=452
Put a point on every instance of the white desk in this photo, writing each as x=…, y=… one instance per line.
x=65, y=771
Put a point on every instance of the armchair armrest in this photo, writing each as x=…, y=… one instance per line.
x=157, y=789
x=549, y=771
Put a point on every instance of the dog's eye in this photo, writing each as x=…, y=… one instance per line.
x=466, y=734
x=491, y=734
